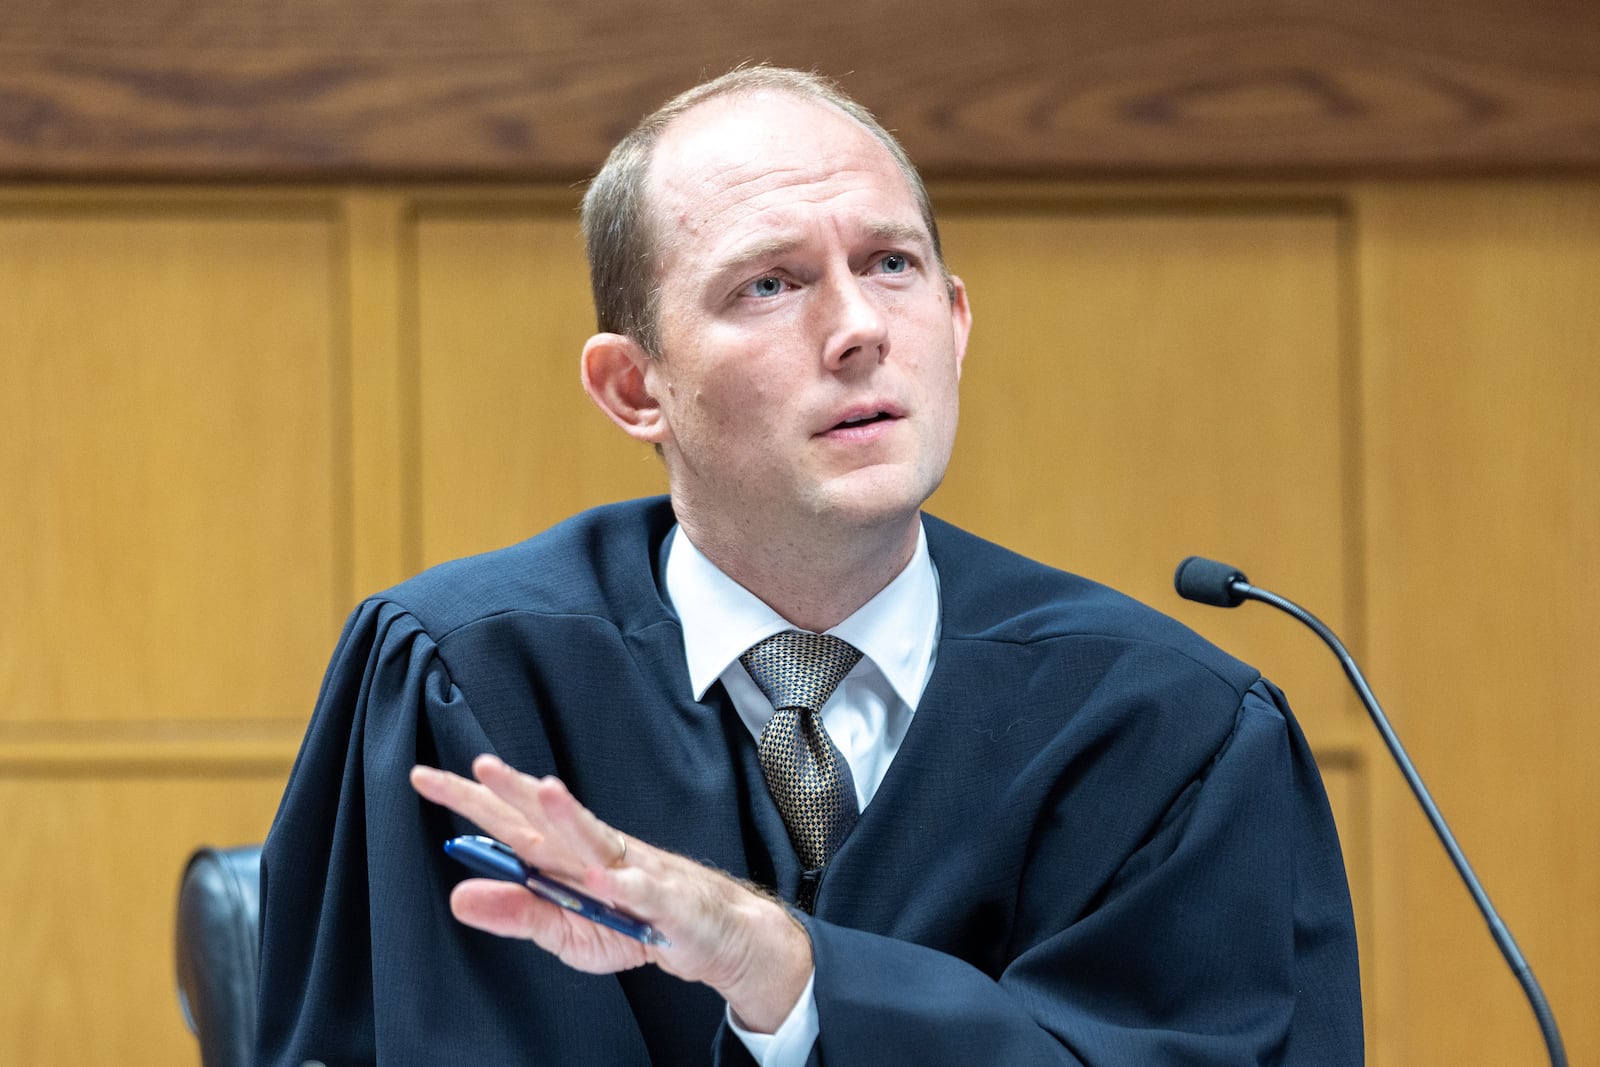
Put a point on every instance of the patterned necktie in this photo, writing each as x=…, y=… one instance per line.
x=808, y=777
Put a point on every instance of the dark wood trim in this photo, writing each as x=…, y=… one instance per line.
x=539, y=90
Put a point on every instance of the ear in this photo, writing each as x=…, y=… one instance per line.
x=960, y=319
x=615, y=370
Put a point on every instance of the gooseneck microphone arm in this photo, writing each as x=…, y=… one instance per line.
x=1209, y=582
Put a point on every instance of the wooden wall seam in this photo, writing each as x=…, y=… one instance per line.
x=380, y=405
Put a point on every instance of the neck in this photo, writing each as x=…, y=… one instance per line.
x=816, y=582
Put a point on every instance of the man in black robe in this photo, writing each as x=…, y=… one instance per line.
x=1056, y=827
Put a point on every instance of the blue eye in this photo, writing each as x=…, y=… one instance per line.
x=894, y=263
x=768, y=286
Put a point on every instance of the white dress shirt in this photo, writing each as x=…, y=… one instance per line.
x=897, y=632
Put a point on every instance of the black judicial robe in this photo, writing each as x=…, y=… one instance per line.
x=1102, y=842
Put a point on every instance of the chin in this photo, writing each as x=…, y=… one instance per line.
x=875, y=497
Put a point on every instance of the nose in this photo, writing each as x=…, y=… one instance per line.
x=856, y=329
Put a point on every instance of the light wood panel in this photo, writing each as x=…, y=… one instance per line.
x=89, y=881
x=167, y=459
x=381, y=397
x=1151, y=379
x=509, y=443
x=1480, y=329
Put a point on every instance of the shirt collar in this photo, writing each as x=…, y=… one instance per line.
x=896, y=629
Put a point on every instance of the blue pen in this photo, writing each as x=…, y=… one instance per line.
x=492, y=859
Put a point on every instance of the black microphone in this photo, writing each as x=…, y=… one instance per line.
x=1209, y=582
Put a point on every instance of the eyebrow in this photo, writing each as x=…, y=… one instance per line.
x=776, y=247
x=771, y=248
x=899, y=232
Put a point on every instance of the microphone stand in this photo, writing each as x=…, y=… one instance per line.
x=1237, y=589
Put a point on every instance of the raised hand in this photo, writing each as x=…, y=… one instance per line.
x=724, y=934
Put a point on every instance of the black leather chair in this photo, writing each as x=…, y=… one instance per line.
x=219, y=909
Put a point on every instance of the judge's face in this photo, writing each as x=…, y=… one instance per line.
x=810, y=341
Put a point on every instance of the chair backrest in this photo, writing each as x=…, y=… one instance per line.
x=219, y=909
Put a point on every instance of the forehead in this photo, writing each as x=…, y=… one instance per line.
x=746, y=164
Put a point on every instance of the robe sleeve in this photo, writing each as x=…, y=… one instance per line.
x=1224, y=939
x=361, y=961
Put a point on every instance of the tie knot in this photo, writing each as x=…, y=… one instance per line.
x=799, y=670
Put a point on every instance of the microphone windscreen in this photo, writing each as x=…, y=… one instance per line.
x=1208, y=582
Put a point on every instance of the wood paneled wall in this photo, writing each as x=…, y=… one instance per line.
x=225, y=414
x=1481, y=390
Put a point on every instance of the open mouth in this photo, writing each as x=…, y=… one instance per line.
x=864, y=420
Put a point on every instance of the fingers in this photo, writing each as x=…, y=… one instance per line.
x=500, y=908
x=537, y=817
x=510, y=911
x=574, y=826
x=470, y=799
x=721, y=933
